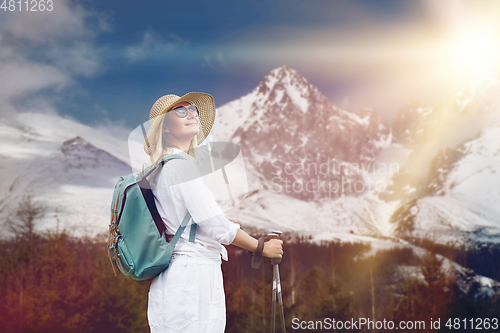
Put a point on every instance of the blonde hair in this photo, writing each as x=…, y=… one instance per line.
x=162, y=149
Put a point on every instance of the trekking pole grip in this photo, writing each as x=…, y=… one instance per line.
x=274, y=235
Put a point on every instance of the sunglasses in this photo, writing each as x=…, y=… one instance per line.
x=182, y=111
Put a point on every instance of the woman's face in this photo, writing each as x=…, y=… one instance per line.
x=180, y=129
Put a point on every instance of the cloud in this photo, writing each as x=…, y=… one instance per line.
x=66, y=21
x=20, y=76
x=80, y=58
x=117, y=129
x=47, y=50
x=153, y=44
x=217, y=63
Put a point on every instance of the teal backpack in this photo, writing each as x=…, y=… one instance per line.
x=137, y=241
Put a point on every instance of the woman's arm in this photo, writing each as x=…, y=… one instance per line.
x=272, y=248
x=200, y=203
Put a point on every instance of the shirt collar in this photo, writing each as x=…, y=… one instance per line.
x=179, y=152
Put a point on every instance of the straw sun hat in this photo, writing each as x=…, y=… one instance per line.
x=203, y=102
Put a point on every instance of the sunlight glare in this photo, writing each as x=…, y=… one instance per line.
x=476, y=52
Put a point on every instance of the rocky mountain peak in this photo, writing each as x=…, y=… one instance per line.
x=76, y=144
x=281, y=75
x=290, y=122
x=481, y=95
x=474, y=105
x=375, y=125
x=79, y=153
x=285, y=86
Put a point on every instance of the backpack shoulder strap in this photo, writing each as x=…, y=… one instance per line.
x=160, y=163
x=192, y=233
x=148, y=194
x=150, y=202
x=181, y=228
x=166, y=158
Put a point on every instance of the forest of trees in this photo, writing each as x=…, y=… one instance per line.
x=52, y=282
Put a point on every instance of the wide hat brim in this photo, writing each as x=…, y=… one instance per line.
x=203, y=102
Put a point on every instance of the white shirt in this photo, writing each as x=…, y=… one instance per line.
x=174, y=197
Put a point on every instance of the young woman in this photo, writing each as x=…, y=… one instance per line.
x=189, y=296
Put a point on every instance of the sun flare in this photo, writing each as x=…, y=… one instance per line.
x=476, y=51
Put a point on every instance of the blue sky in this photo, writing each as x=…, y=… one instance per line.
x=106, y=62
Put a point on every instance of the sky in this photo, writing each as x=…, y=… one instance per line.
x=104, y=63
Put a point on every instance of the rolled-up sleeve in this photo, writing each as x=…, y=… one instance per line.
x=189, y=188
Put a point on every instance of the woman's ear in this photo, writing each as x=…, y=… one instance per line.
x=164, y=124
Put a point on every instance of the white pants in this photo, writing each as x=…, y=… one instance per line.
x=188, y=297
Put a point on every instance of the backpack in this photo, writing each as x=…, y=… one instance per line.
x=137, y=241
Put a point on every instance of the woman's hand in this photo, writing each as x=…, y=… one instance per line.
x=273, y=248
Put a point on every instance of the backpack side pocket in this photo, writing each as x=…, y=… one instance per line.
x=124, y=260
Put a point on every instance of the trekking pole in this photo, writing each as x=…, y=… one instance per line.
x=276, y=288
x=256, y=262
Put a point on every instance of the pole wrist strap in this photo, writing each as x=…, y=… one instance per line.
x=257, y=255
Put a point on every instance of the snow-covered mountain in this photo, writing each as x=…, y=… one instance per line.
x=449, y=184
x=425, y=131
x=461, y=116
x=300, y=143
x=71, y=168
x=286, y=121
x=67, y=167
x=444, y=185
x=459, y=202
